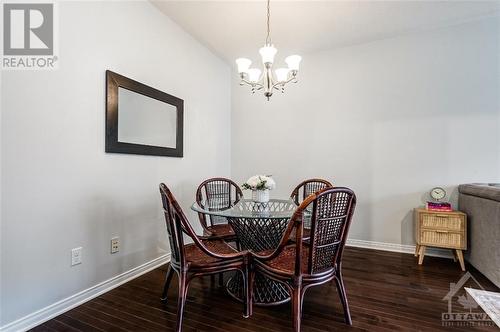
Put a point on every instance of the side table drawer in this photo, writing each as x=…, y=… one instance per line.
x=443, y=221
x=442, y=238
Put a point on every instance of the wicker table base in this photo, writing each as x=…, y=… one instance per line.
x=259, y=233
x=258, y=227
x=266, y=291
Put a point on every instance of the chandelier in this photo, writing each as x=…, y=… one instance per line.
x=267, y=81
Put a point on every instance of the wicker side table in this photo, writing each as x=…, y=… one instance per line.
x=442, y=229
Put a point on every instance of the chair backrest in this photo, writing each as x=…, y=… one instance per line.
x=308, y=187
x=330, y=220
x=174, y=226
x=331, y=215
x=177, y=225
x=217, y=194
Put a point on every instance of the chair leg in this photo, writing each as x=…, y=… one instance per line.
x=343, y=297
x=181, y=300
x=302, y=295
x=296, y=308
x=221, y=279
x=251, y=278
x=246, y=286
x=168, y=279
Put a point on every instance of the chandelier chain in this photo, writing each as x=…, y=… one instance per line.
x=268, y=38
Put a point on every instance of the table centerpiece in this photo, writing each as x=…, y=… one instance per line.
x=260, y=186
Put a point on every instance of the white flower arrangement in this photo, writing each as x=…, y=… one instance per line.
x=260, y=182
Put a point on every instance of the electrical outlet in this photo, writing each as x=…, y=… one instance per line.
x=76, y=256
x=115, y=245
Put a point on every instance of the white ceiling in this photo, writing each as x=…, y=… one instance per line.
x=233, y=29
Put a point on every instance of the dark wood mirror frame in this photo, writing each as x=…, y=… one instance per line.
x=113, y=82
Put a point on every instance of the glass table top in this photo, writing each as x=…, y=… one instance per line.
x=246, y=208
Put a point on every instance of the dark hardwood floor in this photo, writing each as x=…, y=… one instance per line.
x=387, y=291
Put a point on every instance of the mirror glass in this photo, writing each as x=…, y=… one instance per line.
x=145, y=120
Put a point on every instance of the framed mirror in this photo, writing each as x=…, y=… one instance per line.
x=141, y=119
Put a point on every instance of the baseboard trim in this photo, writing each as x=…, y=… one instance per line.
x=395, y=247
x=36, y=318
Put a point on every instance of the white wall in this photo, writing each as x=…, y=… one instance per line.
x=60, y=190
x=389, y=119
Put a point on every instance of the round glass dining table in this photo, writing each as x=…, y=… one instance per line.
x=258, y=227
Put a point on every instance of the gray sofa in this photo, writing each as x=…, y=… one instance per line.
x=481, y=203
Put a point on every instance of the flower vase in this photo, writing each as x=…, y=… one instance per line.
x=260, y=196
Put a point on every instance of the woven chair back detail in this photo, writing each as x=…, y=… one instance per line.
x=331, y=218
x=217, y=194
x=307, y=188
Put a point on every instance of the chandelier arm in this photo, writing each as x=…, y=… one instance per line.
x=252, y=84
x=292, y=79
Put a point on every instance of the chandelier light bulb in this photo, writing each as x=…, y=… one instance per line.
x=267, y=53
x=282, y=74
x=293, y=62
x=243, y=65
x=253, y=75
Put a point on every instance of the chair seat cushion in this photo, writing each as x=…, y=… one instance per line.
x=221, y=230
x=196, y=256
x=285, y=262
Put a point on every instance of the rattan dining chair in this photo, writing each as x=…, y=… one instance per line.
x=303, y=190
x=204, y=256
x=217, y=194
x=308, y=187
x=302, y=265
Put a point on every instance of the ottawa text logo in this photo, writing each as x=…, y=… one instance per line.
x=463, y=310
